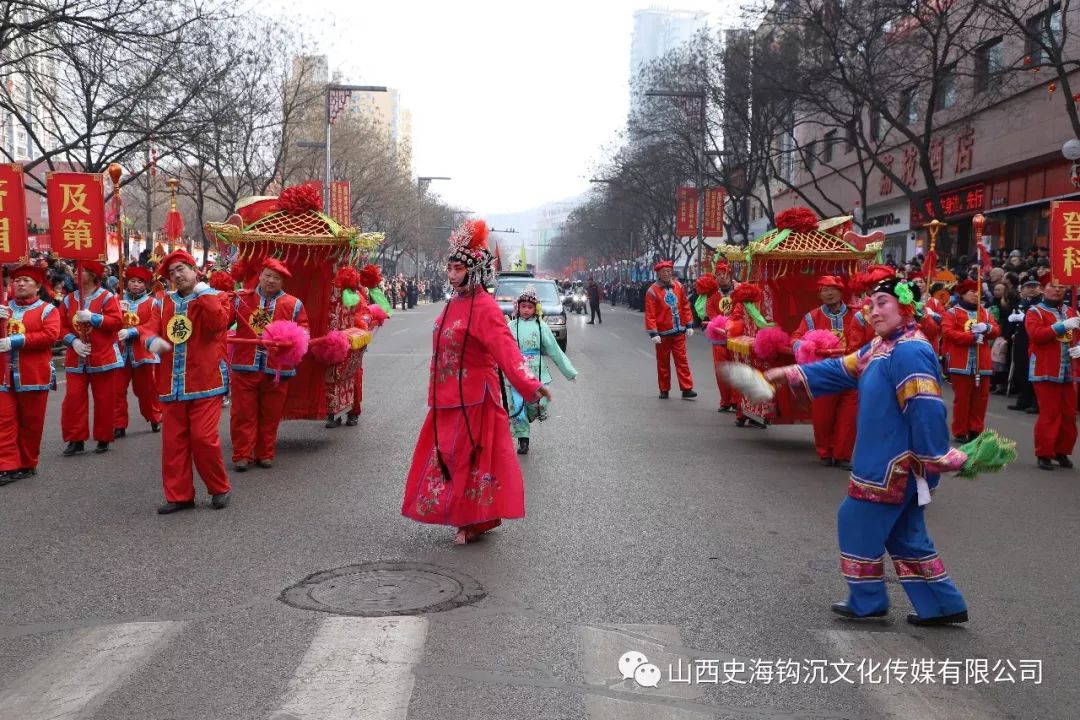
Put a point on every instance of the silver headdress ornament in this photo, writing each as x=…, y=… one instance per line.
x=468, y=245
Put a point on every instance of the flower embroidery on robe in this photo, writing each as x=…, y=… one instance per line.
x=445, y=365
x=481, y=488
x=433, y=486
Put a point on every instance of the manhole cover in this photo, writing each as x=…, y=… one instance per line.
x=384, y=588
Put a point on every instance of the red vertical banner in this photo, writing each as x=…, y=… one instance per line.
x=341, y=202
x=686, y=212
x=1065, y=242
x=77, y=214
x=714, y=212
x=13, y=236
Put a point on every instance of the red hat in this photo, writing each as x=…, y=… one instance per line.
x=966, y=286
x=830, y=281
x=663, y=264
x=916, y=276
x=174, y=257
x=31, y=271
x=277, y=266
x=93, y=266
x=136, y=272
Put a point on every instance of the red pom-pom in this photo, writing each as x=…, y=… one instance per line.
x=300, y=199
x=378, y=315
x=223, y=281
x=347, y=278
x=797, y=219
x=239, y=271
x=812, y=342
x=716, y=330
x=371, y=276
x=706, y=284
x=330, y=349
x=746, y=292
x=769, y=342
x=478, y=233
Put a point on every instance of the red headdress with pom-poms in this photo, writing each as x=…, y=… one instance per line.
x=300, y=199
x=371, y=276
x=469, y=246
x=747, y=292
x=222, y=281
x=797, y=219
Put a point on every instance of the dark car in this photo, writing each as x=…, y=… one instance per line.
x=510, y=286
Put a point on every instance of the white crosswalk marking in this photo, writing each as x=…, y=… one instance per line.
x=928, y=702
x=601, y=650
x=81, y=673
x=357, y=668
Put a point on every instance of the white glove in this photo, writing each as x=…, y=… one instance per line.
x=200, y=286
x=81, y=348
x=656, y=339
x=1072, y=323
x=126, y=333
x=689, y=332
x=5, y=312
x=125, y=306
x=980, y=328
x=159, y=345
x=1016, y=317
x=1074, y=352
x=5, y=345
x=83, y=316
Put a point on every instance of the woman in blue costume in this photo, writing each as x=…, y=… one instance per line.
x=535, y=339
x=901, y=449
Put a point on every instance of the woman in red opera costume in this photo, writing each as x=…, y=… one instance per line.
x=464, y=470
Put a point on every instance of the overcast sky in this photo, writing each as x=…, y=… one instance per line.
x=512, y=99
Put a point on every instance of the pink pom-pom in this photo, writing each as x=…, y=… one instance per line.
x=286, y=331
x=330, y=349
x=770, y=342
x=716, y=330
x=812, y=343
x=378, y=315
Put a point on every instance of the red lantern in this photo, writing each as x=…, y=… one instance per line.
x=1051, y=88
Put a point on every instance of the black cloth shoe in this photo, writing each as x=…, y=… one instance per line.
x=688, y=394
x=155, y=427
x=1064, y=461
x=241, y=465
x=523, y=446
x=960, y=439
x=843, y=464
x=352, y=420
x=827, y=462
x=1032, y=411
x=756, y=424
x=102, y=447
x=960, y=617
x=20, y=474
x=74, y=448
x=171, y=507
x=663, y=394
x=265, y=463
x=1016, y=407
x=1045, y=464
x=119, y=433
x=842, y=609
x=220, y=502
x=332, y=421
x=6, y=477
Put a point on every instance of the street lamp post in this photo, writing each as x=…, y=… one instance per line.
x=700, y=96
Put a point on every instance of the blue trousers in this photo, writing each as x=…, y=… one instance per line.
x=867, y=530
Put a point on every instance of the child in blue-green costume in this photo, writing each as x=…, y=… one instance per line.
x=536, y=340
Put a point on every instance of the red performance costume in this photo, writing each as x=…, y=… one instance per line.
x=720, y=303
x=33, y=327
x=259, y=382
x=190, y=332
x=140, y=365
x=834, y=416
x=93, y=372
x=667, y=321
x=1052, y=331
x=958, y=327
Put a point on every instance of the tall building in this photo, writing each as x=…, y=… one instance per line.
x=386, y=109
x=658, y=31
